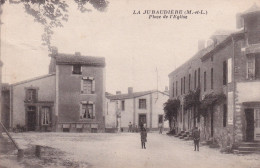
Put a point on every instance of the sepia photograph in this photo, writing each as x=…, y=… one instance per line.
x=129, y=84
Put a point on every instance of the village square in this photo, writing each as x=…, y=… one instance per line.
x=81, y=114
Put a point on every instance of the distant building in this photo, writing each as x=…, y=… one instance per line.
x=70, y=98
x=136, y=107
x=229, y=65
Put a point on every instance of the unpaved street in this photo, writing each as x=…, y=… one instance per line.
x=124, y=150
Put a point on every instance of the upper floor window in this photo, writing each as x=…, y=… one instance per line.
x=212, y=79
x=176, y=88
x=181, y=85
x=87, y=111
x=31, y=95
x=205, y=81
x=224, y=72
x=123, y=105
x=142, y=103
x=76, y=69
x=199, y=77
x=88, y=85
x=45, y=115
x=173, y=90
x=184, y=79
x=189, y=81
x=195, y=79
x=160, y=119
x=253, y=67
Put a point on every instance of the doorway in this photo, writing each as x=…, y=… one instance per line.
x=249, y=124
x=31, y=118
x=142, y=119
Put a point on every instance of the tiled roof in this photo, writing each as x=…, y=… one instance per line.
x=78, y=59
x=204, y=53
x=253, y=9
x=133, y=95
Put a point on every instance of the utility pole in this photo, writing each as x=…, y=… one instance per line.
x=1, y=64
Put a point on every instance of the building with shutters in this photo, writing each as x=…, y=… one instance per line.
x=229, y=65
x=70, y=98
x=144, y=107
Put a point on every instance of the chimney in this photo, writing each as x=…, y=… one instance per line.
x=118, y=92
x=239, y=21
x=130, y=90
x=201, y=44
x=77, y=54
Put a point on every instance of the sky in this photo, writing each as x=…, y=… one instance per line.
x=134, y=46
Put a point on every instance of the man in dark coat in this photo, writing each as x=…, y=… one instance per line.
x=196, y=138
x=143, y=134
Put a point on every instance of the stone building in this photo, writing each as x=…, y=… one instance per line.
x=144, y=107
x=229, y=65
x=70, y=98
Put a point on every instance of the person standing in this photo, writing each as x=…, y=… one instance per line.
x=160, y=128
x=143, y=134
x=130, y=127
x=196, y=138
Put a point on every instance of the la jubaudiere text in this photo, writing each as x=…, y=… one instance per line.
x=169, y=14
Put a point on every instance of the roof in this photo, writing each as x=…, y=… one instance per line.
x=133, y=95
x=253, y=9
x=5, y=86
x=62, y=59
x=206, y=52
x=33, y=79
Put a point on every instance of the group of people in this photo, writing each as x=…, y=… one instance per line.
x=195, y=135
x=132, y=128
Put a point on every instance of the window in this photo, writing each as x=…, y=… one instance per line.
x=142, y=103
x=224, y=72
x=224, y=115
x=76, y=69
x=173, y=90
x=195, y=79
x=184, y=85
x=189, y=81
x=88, y=85
x=205, y=81
x=211, y=58
x=45, y=116
x=181, y=85
x=31, y=95
x=122, y=105
x=250, y=68
x=199, y=77
x=160, y=119
x=87, y=111
x=211, y=78
x=176, y=88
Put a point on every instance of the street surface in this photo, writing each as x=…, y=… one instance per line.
x=124, y=150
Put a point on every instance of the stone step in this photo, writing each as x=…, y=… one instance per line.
x=241, y=148
x=250, y=144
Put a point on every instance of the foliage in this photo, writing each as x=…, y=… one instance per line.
x=171, y=110
x=209, y=101
x=192, y=99
x=53, y=13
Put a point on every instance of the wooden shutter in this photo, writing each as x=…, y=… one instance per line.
x=94, y=111
x=93, y=85
x=81, y=85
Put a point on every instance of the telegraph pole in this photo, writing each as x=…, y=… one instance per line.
x=1, y=64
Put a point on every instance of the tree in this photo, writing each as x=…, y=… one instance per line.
x=53, y=13
x=171, y=110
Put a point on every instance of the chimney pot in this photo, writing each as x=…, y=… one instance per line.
x=130, y=90
x=77, y=54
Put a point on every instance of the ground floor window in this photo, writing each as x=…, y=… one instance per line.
x=87, y=111
x=45, y=115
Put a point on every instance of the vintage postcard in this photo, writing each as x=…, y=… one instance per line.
x=130, y=84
